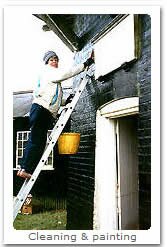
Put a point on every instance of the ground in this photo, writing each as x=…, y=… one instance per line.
x=51, y=220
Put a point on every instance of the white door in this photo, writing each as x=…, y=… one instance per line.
x=127, y=168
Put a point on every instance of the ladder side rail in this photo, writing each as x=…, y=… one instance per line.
x=27, y=186
x=59, y=128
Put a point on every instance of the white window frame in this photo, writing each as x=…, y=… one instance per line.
x=20, y=146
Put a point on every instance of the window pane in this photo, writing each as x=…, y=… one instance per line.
x=19, y=144
x=20, y=152
x=20, y=136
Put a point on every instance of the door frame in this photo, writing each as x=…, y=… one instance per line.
x=105, y=210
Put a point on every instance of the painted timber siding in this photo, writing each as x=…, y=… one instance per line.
x=134, y=82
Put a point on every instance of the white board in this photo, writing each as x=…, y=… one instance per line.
x=115, y=48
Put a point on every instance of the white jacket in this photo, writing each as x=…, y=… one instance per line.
x=48, y=92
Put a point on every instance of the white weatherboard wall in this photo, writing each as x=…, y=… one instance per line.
x=105, y=197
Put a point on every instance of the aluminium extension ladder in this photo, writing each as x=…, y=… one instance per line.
x=57, y=130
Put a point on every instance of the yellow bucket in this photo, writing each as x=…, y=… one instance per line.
x=68, y=143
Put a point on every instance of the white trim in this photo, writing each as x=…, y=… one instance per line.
x=120, y=108
x=105, y=175
x=105, y=207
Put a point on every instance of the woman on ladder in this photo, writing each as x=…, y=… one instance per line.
x=46, y=103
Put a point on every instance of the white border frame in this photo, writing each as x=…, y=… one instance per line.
x=151, y=236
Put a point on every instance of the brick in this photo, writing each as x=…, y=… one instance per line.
x=135, y=82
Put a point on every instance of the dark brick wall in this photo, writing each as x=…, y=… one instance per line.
x=90, y=24
x=144, y=79
x=117, y=85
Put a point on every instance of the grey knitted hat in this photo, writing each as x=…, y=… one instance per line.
x=48, y=55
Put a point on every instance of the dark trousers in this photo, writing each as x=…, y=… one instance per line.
x=40, y=121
